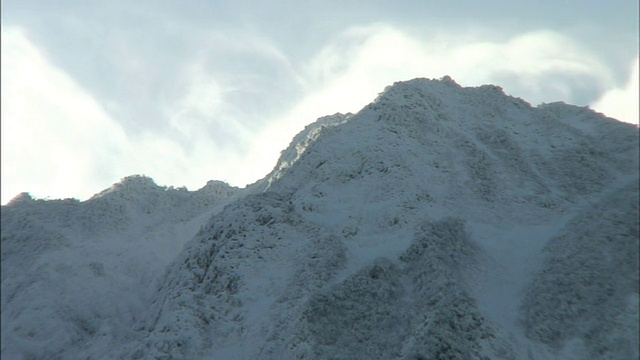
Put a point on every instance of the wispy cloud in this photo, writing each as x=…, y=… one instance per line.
x=541, y=66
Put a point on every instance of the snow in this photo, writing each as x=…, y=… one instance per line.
x=516, y=255
x=424, y=226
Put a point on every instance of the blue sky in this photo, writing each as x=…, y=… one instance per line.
x=190, y=91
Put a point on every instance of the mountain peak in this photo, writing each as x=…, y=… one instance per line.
x=136, y=181
x=448, y=80
x=441, y=95
x=132, y=185
x=462, y=138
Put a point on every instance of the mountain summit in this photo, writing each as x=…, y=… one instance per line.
x=439, y=222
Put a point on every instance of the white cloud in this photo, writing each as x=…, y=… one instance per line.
x=622, y=103
x=58, y=142
x=53, y=135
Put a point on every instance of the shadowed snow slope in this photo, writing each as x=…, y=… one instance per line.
x=439, y=222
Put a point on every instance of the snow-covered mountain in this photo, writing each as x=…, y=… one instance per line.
x=439, y=222
x=75, y=273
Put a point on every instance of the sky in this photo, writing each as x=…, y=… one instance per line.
x=190, y=91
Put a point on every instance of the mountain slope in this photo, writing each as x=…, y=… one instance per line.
x=439, y=222
x=588, y=286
